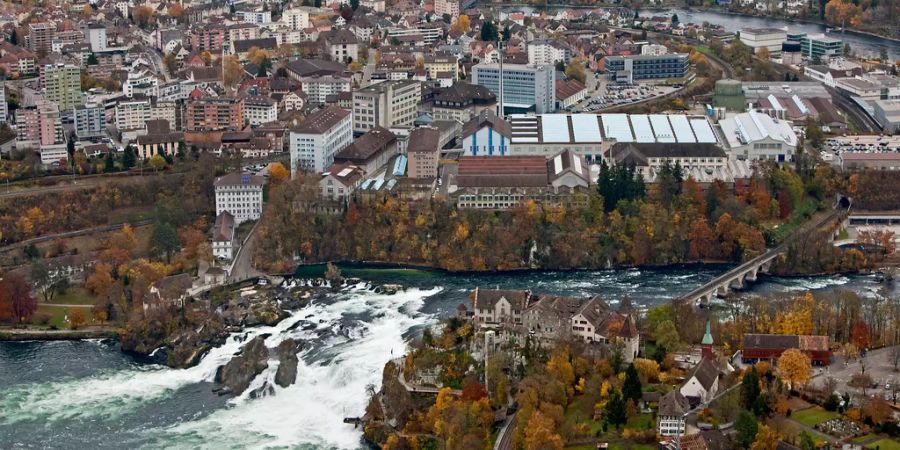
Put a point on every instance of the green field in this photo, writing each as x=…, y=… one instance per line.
x=58, y=314
x=884, y=444
x=812, y=416
x=73, y=296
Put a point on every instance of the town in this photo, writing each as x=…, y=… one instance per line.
x=581, y=225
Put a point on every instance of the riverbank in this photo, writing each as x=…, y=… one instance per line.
x=25, y=334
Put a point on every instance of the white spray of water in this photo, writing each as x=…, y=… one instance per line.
x=331, y=379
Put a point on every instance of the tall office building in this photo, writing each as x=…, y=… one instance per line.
x=388, y=104
x=525, y=88
x=62, y=85
x=627, y=69
x=315, y=141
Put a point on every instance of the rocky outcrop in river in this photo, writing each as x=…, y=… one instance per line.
x=287, y=362
x=237, y=374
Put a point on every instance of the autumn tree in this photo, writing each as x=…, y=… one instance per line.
x=541, y=434
x=256, y=55
x=877, y=411
x=157, y=163
x=462, y=24
x=575, y=70
x=666, y=335
x=170, y=63
x=76, y=318
x=860, y=335
x=16, y=298
x=233, y=70
x=142, y=15
x=842, y=12
x=766, y=439
x=794, y=367
x=472, y=390
x=175, y=11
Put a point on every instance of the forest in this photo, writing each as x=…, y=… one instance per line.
x=623, y=223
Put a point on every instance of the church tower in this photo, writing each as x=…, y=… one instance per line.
x=706, y=345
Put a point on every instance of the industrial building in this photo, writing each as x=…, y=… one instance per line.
x=757, y=136
x=627, y=69
x=525, y=88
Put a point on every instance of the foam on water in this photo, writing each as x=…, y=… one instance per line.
x=331, y=379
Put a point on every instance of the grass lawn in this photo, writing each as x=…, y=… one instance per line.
x=577, y=413
x=73, y=296
x=615, y=446
x=863, y=438
x=640, y=422
x=58, y=314
x=885, y=444
x=812, y=416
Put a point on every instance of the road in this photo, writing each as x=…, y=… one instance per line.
x=242, y=266
x=878, y=365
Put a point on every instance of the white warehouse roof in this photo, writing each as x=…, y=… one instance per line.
x=749, y=127
x=594, y=128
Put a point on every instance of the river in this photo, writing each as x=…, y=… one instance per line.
x=861, y=44
x=88, y=394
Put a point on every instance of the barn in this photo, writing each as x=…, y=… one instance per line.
x=768, y=347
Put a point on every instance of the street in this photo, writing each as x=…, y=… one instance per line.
x=878, y=364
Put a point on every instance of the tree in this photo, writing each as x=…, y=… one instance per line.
x=667, y=336
x=806, y=441
x=233, y=70
x=746, y=428
x=164, y=239
x=109, y=163
x=766, y=439
x=794, y=367
x=860, y=335
x=76, y=318
x=157, y=162
x=40, y=276
x=489, y=32
x=347, y=13
x=129, y=159
x=354, y=4
x=472, y=390
x=99, y=282
x=540, y=434
x=763, y=53
x=16, y=297
x=462, y=24
x=750, y=389
x=814, y=134
x=175, y=11
x=333, y=275
x=142, y=15
x=575, y=70
x=632, y=389
x=616, y=413
x=170, y=63
x=877, y=411
x=278, y=173
x=92, y=60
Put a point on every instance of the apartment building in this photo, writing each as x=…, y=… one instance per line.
x=241, y=195
x=259, y=110
x=40, y=36
x=296, y=18
x=208, y=38
x=133, y=114
x=214, y=114
x=341, y=45
x=423, y=153
x=62, y=85
x=526, y=88
x=95, y=34
x=90, y=120
x=315, y=141
x=548, y=53
x=462, y=101
x=627, y=69
x=446, y=7
x=389, y=104
x=4, y=107
x=440, y=63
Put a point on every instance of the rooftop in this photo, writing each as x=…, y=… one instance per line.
x=423, y=140
x=322, y=120
x=595, y=128
x=367, y=145
x=238, y=178
x=745, y=128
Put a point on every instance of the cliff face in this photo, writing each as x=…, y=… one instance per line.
x=237, y=374
x=287, y=362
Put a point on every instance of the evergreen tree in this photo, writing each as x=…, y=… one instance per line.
x=129, y=159
x=746, y=428
x=110, y=163
x=489, y=32
x=632, y=389
x=14, y=37
x=164, y=239
x=92, y=60
x=750, y=389
x=354, y=4
x=616, y=412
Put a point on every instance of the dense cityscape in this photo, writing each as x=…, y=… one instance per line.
x=450, y=224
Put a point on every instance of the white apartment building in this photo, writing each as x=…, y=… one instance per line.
x=96, y=35
x=4, y=111
x=672, y=409
x=318, y=87
x=547, y=53
x=256, y=17
x=241, y=195
x=389, y=104
x=90, y=120
x=449, y=7
x=260, y=110
x=143, y=81
x=296, y=18
x=134, y=114
x=314, y=143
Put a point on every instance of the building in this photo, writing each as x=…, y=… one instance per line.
x=446, y=8
x=214, y=114
x=770, y=39
x=208, y=38
x=729, y=94
x=423, y=152
x=315, y=141
x=440, y=63
x=62, y=85
x=756, y=136
x=40, y=36
x=90, y=121
x=569, y=93
x=296, y=18
x=486, y=135
x=768, y=347
x=370, y=151
x=340, y=181
x=649, y=157
x=133, y=114
x=240, y=194
x=39, y=126
x=548, y=53
x=462, y=101
x=159, y=140
x=4, y=107
x=485, y=182
x=389, y=104
x=817, y=47
x=628, y=69
x=887, y=114
x=256, y=17
x=864, y=161
x=341, y=45
x=95, y=34
x=223, y=236
x=596, y=322
x=702, y=382
x=319, y=87
x=493, y=307
x=259, y=110
x=671, y=415
x=837, y=68
x=525, y=88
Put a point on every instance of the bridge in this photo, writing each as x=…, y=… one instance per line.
x=748, y=271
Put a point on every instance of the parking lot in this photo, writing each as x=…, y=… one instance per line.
x=868, y=144
x=610, y=94
x=878, y=364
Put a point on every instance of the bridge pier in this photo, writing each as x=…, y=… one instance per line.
x=737, y=282
x=751, y=275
